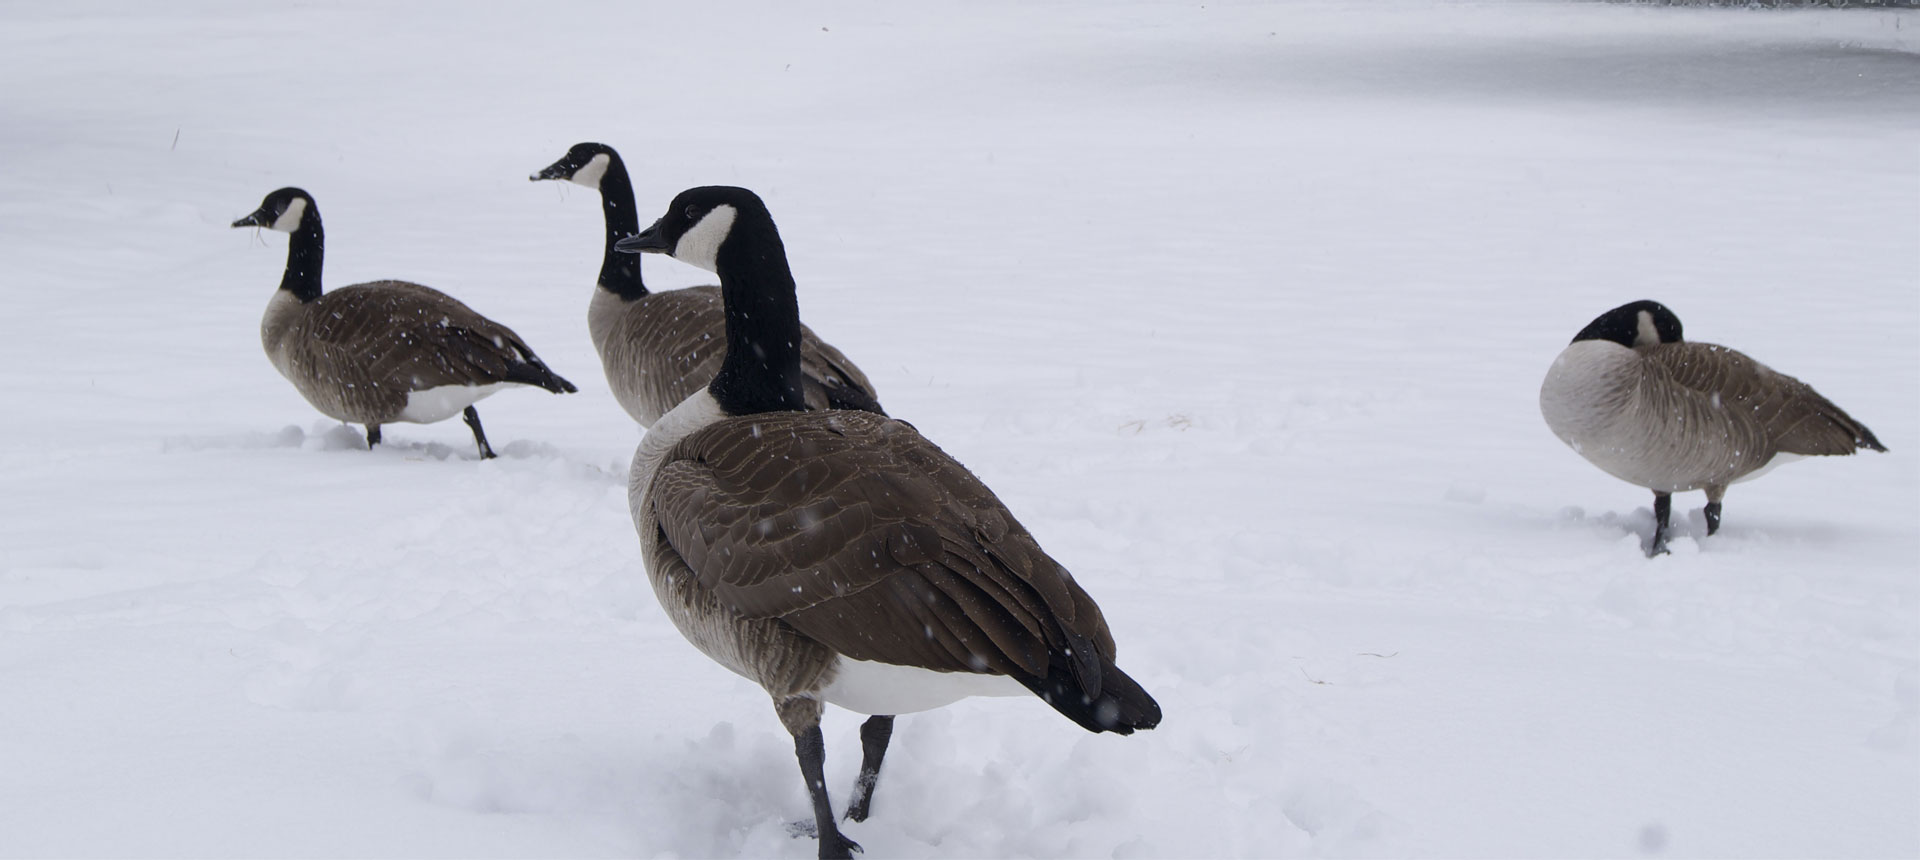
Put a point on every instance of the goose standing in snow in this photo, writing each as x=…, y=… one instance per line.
x=840, y=557
x=657, y=348
x=383, y=351
x=1672, y=415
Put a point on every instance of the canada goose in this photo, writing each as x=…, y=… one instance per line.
x=657, y=348
x=1671, y=415
x=383, y=351
x=840, y=557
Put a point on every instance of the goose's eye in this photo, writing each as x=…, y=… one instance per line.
x=693, y=213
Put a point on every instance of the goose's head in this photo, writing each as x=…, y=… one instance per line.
x=584, y=164
x=284, y=210
x=1636, y=325
x=698, y=224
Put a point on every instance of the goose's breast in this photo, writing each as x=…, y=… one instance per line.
x=276, y=327
x=340, y=393
x=1588, y=394
x=657, y=350
x=1593, y=399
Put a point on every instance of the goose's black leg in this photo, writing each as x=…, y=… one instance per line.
x=1714, y=495
x=373, y=436
x=1662, y=510
x=479, y=435
x=811, y=748
x=801, y=716
x=874, y=734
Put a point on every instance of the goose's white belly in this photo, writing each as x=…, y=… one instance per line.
x=438, y=404
x=884, y=688
x=1778, y=460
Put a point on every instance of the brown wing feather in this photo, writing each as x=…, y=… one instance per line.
x=861, y=534
x=1773, y=409
x=832, y=377
x=383, y=322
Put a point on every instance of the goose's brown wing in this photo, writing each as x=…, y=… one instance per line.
x=1775, y=409
x=395, y=331
x=864, y=536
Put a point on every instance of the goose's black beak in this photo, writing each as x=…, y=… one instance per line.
x=650, y=240
x=556, y=170
x=259, y=218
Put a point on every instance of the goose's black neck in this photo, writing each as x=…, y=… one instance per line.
x=761, y=372
x=619, y=272
x=305, y=247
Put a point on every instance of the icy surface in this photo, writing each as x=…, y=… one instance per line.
x=1243, y=309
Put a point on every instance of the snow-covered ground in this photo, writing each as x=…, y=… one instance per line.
x=1242, y=308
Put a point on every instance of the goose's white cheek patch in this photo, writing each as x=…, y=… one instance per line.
x=700, y=246
x=1648, y=334
x=289, y=220
x=590, y=174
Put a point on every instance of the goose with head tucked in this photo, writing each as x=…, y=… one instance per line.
x=839, y=557
x=1635, y=398
x=659, y=347
x=383, y=351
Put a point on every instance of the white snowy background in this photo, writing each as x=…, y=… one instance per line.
x=1243, y=309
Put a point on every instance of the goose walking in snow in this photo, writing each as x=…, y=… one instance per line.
x=1672, y=415
x=840, y=557
x=383, y=351
x=658, y=348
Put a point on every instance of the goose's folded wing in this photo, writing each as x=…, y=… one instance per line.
x=863, y=535
x=826, y=364
x=401, y=330
x=1787, y=413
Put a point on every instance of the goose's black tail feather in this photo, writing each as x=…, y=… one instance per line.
x=535, y=373
x=1119, y=705
x=1865, y=439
